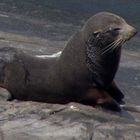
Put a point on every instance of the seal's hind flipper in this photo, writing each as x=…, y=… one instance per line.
x=5, y=95
x=7, y=54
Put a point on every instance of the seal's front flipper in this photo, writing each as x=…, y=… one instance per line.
x=115, y=93
x=112, y=105
x=98, y=97
x=107, y=102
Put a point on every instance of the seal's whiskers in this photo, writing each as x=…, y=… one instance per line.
x=112, y=46
x=119, y=44
x=108, y=47
x=116, y=45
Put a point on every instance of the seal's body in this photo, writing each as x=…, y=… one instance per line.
x=83, y=72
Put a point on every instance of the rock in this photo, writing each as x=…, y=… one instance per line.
x=41, y=121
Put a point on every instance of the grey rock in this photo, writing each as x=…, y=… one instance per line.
x=41, y=121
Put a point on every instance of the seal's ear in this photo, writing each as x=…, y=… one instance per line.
x=96, y=33
x=92, y=38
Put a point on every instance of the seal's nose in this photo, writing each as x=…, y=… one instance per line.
x=134, y=31
x=130, y=32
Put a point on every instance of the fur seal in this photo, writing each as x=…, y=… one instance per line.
x=83, y=72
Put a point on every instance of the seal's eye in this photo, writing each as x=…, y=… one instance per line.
x=114, y=29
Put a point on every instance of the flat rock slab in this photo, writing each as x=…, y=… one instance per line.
x=42, y=121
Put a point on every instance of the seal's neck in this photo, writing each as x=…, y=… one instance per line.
x=78, y=62
x=73, y=58
x=103, y=66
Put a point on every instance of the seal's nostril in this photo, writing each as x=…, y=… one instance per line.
x=134, y=31
x=129, y=32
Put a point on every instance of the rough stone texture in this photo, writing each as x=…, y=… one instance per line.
x=42, y=121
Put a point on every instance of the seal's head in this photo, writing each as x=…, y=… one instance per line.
x=96, y=48
x=104, y=34
x=105, y=22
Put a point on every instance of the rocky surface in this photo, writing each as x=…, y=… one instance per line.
x=41, y=121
